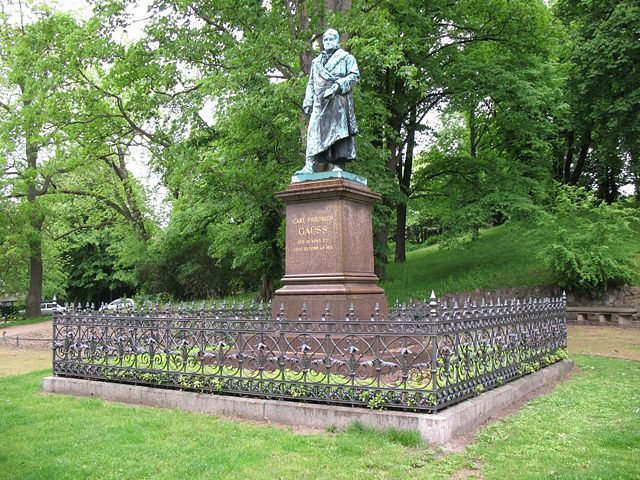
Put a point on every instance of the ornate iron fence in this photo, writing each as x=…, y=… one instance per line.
x=424, y=357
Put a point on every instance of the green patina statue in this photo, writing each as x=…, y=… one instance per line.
x=329, y=102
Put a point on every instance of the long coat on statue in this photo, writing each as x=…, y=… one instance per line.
x=332, y=125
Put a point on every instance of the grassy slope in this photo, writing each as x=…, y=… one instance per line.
x=589, y=427
x=498, y=259
x=501, y=258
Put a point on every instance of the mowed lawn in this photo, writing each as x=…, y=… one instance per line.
x=587, y=428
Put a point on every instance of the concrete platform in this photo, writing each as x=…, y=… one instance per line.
x=436, y=429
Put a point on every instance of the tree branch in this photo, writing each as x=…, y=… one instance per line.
x=122, y=211
x=124, y=114
x=81, y=228
x=5, y=106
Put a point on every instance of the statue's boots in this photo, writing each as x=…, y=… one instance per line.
x=308, y=167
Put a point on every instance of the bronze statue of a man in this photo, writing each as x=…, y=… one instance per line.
x=329, y=102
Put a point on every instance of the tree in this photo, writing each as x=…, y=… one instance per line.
x=425, y=54
x=68, y=135
x=603, y=85
x=33, y=107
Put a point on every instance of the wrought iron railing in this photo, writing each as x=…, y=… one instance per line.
x=424, y=357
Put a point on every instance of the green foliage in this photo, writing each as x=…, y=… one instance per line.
x=601, y=94
x=522, y=252
x=179, y=262
x=459, y=193
x=375, y=400
x=96, y=272
x=63, y=143
x=592, y=245
x=213, y=90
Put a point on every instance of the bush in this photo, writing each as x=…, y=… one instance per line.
x=590, y=242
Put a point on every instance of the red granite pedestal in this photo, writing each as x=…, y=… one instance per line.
x=329, y=251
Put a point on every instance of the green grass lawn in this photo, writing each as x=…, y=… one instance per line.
x=589, y=427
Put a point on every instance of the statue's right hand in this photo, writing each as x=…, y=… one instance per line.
x=307, y=110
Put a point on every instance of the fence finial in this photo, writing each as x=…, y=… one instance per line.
x=433, y=304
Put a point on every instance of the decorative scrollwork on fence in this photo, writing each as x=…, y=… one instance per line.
x=424, y=357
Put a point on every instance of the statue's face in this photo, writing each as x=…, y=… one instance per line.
x=330, y=40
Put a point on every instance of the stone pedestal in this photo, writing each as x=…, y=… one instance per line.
x=329, y=251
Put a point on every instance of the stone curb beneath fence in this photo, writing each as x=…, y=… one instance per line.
x=436, y=429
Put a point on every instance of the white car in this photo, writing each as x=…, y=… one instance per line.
x=118, y=304
x=48, y=308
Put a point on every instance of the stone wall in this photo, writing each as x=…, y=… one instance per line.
x=624, y=296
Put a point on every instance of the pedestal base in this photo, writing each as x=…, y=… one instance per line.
x=324, y=301
x=329, y=252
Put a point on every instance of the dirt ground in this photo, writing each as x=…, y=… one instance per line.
x=605, y=341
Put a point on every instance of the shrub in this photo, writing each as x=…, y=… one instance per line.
x=587, y=243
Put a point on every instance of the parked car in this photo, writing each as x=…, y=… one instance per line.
x=48, y=308
x=118, y=304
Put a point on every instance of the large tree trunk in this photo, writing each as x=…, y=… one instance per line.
x=582, y=158
x=401, y=232
x=607, y=183
x=266, y=287
x=34, y=294
x=36, y=220
x=568, y=159
x=381, y=236
x=405, y=187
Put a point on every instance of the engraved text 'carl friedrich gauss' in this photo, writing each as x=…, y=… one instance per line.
x=311, y=233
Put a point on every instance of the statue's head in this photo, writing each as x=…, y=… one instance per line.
x=330, y=39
